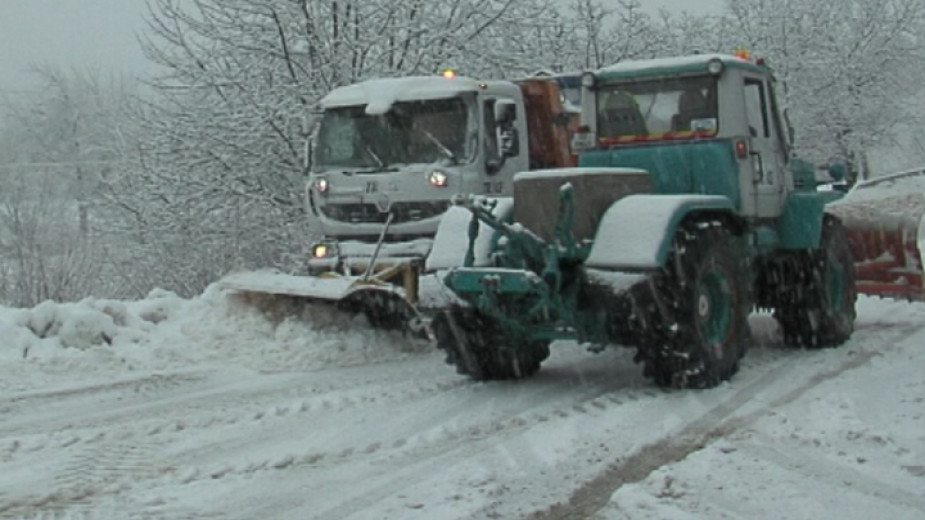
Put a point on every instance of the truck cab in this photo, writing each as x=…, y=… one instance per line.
x=391, y=154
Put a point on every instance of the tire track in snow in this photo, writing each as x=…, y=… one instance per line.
x=479, y=416
x=719, y=422
x=447, y=426
x=182, y=409
x=121, y=444
x=821, y=469
x=557, y=393
x=91, y=472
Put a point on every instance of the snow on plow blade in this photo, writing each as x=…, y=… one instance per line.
x=385, y=305
x=884, y=220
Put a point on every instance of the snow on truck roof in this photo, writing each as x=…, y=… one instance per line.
x=656, y=66
x=379, y=94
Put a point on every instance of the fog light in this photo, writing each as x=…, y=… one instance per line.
x=320, y=250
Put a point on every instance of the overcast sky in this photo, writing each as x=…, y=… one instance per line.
x=101, y=35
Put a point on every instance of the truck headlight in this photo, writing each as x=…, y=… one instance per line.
x=322, y=250
x=438, y=179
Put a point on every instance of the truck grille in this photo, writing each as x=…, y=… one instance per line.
x=370, y=214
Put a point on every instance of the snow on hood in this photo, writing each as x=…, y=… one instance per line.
x=380, y=94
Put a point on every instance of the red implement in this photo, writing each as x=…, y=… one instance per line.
x=884, y=219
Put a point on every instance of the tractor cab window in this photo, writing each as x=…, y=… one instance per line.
x=756, y=108
x=651, y=109
x=424, y=131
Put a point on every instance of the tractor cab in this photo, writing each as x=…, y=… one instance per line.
x=706, y=124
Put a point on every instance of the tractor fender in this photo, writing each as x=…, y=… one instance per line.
x=800, y=224
x=452, y=239
x=636, y=231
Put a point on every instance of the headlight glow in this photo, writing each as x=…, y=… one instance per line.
x=438, y=179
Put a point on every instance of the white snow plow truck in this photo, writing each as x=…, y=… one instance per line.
x=389, y=157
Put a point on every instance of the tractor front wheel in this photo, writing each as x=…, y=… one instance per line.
x=701, y=307
x=469, y=339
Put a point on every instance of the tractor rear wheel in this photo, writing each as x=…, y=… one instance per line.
x=824, y=314
x=703, y=301
x=469, y=339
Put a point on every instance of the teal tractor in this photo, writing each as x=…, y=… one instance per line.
x=687, y=211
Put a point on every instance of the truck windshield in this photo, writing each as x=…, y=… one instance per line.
x=657, y=109
x=424, y=131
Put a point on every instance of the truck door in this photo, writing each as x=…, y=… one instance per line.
x=767, y=151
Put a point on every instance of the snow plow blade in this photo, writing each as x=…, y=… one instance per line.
x=884, y=220
x=385, y=305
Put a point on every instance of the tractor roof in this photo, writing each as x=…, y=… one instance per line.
x=672, y=66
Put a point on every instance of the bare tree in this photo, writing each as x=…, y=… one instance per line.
x=56, y=149
x=224, y=155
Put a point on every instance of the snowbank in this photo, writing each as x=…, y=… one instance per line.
x=49, y=327
x=109, y=338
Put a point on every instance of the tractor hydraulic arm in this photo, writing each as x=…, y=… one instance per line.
x=523, y=249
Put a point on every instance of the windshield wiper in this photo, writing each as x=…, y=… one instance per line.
x=442, y=147
x=369, y=149
x=381, y=166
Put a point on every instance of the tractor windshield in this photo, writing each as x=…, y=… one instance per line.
x=667, y=108
x=423, y=131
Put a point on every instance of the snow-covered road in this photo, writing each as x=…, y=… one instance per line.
x=217, y=412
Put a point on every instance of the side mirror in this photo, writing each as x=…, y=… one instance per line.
x=309, y=153
x=309, y=128
x=507, y=141
x=505, y=111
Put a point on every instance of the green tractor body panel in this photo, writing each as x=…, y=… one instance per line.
x=804, y=175
x=705, y=167
x=800, y=225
